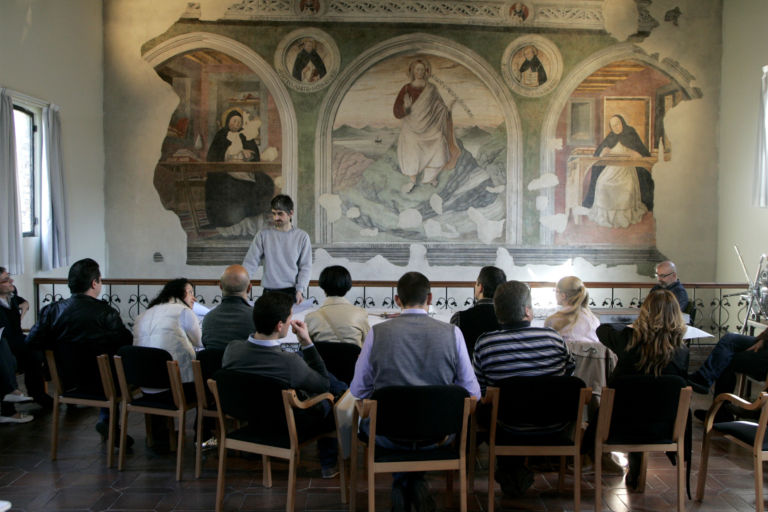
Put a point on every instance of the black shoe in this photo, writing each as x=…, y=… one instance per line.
x=400, y=502
x=722, y=416
x=103, y=428
x=420, y=497
x=699, y=383
x=514, y=482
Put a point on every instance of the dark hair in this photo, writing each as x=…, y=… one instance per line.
x=269, y=309
x=413, y=289
x=335, y=281
x=490, y=278
x=82, y=274
x=2, y=269
x=510, y=300
x=657, y=332
x=282, y=202
x=173, y=289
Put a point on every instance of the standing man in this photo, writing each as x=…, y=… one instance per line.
x=79, y=329
x=480, y=318
x=12, y=310
x=666, y=275
x=233, y=318
x=285, y=250
x=413, y=349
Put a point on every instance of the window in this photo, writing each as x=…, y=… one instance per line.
x=24, y=122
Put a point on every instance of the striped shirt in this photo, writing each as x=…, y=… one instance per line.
x=520, y=351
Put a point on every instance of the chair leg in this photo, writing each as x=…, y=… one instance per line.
x=222, y=474
x=463, y=487
x=643, y=472
x=561, y=475
x=266, y=471
x=199, y=447
x=180, y=447
x=598, y=462
x=759, y=505
x=123, y=433
x=291, y=498
x=703, y=467
x=491, y=476
x=342, y=472
x=576, y=480
x=353, y=472
x=681, y=478
x=55, y=428
x=371, y=489
x=471, y=460
x=111, y=434
x=148, y=430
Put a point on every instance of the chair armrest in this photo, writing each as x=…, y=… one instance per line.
x=734, y=399
x=294, y=401
x=490, y=393
x=364, y=407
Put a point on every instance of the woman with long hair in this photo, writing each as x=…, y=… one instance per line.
x=170, y=324
x=574, y=321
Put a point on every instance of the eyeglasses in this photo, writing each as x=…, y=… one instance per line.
x=663, y=275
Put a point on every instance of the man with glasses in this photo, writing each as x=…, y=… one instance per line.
x=666, y=275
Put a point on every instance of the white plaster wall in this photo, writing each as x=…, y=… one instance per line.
x=745, y=40
x=52, y=50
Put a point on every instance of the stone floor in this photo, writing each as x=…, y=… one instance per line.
x=78, y=480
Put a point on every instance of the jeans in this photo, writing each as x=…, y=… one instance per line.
x=730, y=357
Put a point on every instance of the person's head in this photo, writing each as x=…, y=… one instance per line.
x=335, y=281
x=235, y=121
x=272, y=313
x=658, y=331
x=85, y=277
x=570, y=291
x=419, y=69
x=235, y=281
x=179, y=289
x=488, y=280
x=530, y=52
x=282, y=211
x=309, y=45
x=512, y=302
x=666, y=274
x=6, y=283
x=413, y=290
x=617, y=124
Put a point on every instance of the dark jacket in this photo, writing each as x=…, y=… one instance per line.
x=679, y=291
x=78, y=329
x=473, y=322
x=11, y=320
x=231, y=320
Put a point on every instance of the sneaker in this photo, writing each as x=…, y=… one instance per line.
x=330, y=472
x=400, y=502
x=19, y=417
x=103, y=428
x=420, y=497
x=17, y=397
x=212, y=444
x=699, y=383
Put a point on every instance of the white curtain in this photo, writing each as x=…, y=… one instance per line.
x=10, y=223
x=54, y=237
x=761, y=169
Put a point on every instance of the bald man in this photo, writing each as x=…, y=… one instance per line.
x=233, y=318
x=666, y=276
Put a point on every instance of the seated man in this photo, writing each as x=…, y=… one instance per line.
x=337, y=319
x=412, y=349
x=79, y=329
x=30, y=362
x=261, y=354
x=9, y=392
x=666, y=274
x=233, y=318
x=518, y=350
x=734, y=353
x=480, y=318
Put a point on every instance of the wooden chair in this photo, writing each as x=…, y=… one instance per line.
x=339, y=358
x=642, y=413
x=207, y=363
x=268, y=410
x=748, y=434
x=413, y=414
x=107, y=399
x=538, y=416
x=151, y=368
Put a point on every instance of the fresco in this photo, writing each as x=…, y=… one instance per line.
x=220, y=162
x=419, y=153
x=612, y=128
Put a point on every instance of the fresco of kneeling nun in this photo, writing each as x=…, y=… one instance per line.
x=418, y=142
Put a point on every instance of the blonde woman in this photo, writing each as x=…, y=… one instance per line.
x=574, y=321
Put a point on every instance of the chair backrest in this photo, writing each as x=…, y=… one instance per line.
x=539, y=402
x=339, y=358
x=645, y=408
x=210, y=361
x=414, y=413
x=252, y=398
x=145, y=366
x=73, y=373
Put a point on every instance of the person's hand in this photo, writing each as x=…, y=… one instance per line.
x=299, y=328
x=23, y=308
x=407, y=101
x=299, y=297
x=248, y=154
x=757, y=346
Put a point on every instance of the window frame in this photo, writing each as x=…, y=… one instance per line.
x=34, y=114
